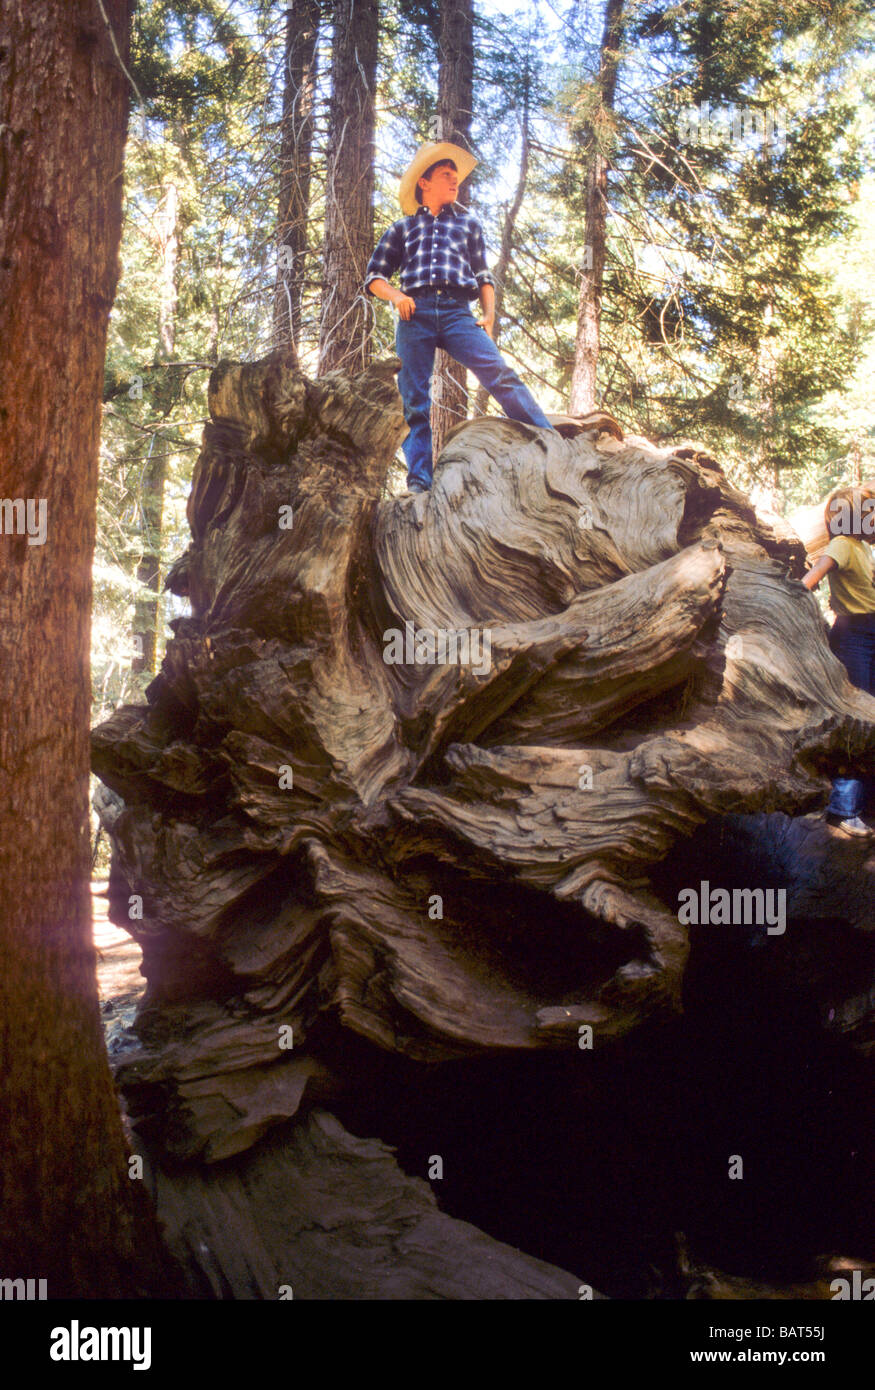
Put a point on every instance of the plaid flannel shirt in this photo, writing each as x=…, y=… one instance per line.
x=428, y=250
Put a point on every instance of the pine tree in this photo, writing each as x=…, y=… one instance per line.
x=69, y=1212
x=449, y=395
x=300, y=71
x=344, y=334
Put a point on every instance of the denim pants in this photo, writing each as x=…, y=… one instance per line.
x=852, y=640
x=443, y=321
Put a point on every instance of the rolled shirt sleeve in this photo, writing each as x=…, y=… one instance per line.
x=387, y=256
x=840, y=551
x=477, y=255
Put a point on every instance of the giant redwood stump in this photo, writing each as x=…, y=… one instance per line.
x=412, y=765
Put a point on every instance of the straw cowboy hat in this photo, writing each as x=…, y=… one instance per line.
x=422, y=160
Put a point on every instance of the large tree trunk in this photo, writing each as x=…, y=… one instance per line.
x=69, y=1208
x=351, y=1225
x=146, y=606
x=584, y=395
x=507, y=233
x=344, y=335
x=334, y=831
x=449, y=401
x=296, y=141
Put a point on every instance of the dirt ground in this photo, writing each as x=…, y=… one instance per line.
x=119, y=981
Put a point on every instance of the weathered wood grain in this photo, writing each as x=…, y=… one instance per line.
x=323, y=1214
x=444, y=857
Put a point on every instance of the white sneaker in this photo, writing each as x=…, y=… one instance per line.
x=854, y=825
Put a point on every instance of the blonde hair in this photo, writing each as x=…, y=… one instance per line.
x=850, y=511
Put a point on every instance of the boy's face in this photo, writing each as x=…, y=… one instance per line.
x=442, y=187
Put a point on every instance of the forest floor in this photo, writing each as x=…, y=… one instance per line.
x=119, y=982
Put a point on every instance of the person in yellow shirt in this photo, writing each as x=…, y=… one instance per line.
x=848, y=564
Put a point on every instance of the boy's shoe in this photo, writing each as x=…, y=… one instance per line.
x=417, y=487
x=853, y=825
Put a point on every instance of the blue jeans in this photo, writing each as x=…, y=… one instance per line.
x=852, y=640
x=443, y=321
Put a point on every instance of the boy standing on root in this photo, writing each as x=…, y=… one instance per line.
x=849, y=514
x=438, y=248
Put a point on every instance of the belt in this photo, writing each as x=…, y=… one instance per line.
x=445, y=292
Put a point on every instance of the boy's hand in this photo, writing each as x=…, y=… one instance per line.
x=486, y=321
x=405, y=306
